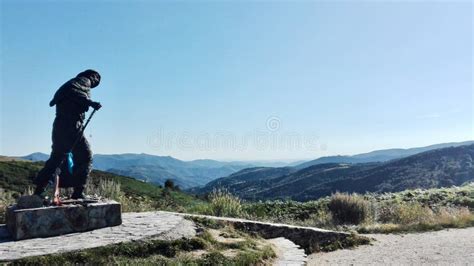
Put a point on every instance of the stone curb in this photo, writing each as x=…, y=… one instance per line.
x=310, y=238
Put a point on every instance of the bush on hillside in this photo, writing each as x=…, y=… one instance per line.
x=348, y=209
x=169, y=184
x=405, y=213
x=409, y=213
x=111, y=189
x=223, y=203
x=6, y=198
x=104, y=188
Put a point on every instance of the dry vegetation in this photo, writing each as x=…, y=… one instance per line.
x=411, y=210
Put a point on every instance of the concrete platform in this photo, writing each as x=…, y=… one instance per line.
x=135, y=227
x=69, y=218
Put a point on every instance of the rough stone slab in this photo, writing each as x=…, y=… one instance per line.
x=135, y=226
x=288, y=253
x=54, y=221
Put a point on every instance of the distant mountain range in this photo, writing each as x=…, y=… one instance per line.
x=157, y=169
x=380, y=155
x=197, y=173
x=429, y=169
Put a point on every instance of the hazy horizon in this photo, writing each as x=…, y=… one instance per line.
x=241, y=81
x=283, y=160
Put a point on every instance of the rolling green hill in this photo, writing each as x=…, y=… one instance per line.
x=17, y=176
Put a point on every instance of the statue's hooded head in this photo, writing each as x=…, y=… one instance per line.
x=92, y=75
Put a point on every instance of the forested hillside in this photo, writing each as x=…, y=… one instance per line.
x=437, y=168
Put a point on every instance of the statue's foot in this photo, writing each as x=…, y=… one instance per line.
x=39, y=191
x=78, y=196
x=78, y=193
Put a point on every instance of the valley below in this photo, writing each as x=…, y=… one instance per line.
x=451, y=166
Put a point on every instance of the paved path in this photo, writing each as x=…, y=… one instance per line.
x=157, y=225
x=287, y=252
x=447, y=247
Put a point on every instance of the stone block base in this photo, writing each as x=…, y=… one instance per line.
x=70, y=218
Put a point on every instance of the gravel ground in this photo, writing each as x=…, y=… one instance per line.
x=446, y=247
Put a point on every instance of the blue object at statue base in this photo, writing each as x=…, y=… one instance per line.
x=70, y=162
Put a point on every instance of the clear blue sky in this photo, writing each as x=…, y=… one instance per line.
x=350, y=76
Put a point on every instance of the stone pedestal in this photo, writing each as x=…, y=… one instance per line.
x=70, y=218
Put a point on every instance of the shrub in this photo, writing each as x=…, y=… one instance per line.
x=454, y=217
x=414, y=218
x=28, y=191
x=322, y=218
x=409, y=213
x=405, y=213
x=130, y=204
x=111, y=189
x=104, y=188
x=169, y=184
x=386, y=212
x=223, y=203
x=348, y=209
x=464, y=201
x=6, y=198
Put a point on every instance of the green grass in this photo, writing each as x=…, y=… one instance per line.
x=351, y=241
x=205, y=222
x=118, y=252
